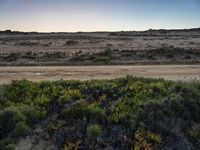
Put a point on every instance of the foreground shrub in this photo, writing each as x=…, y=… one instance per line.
x=78, y=110
x=94, y=131
x=33, y=114
x=72, y=146
x=124, y=110
x=9, y=118
x=15, y=122
x=21, y=130
x=71, y=95
x=92, y=134
x=7, y=144
x=82, y=110
x=94, y=111
x=164, y=113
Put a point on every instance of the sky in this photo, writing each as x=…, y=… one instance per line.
x=98, y=15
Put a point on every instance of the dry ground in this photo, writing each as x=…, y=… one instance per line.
x=145, y=47
x=95, y=42
x=169, y=72
x=88, y=48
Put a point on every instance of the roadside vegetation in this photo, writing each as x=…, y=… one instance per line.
x=124, y=113
x=164, y=55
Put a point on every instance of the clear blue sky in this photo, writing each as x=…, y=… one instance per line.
x=98, y=15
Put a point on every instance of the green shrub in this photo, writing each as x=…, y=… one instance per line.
x=93, y=132
x=7, y=144
x=2, y=98
x=9, y=118
x=82, y=110
x=124, y=110
x=94, y=111
x=71, y=43
x=42, y=100
x=66, y=99
x=103, y=59
x=124, y=104
x=21, y=130
x=78, y=110
x=20, y=92
x=33, y=114
x=107, y=52
x=71, y=95
x=72, y=146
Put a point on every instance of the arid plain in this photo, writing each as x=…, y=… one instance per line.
x=169, y=54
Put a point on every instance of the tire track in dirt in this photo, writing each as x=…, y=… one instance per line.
x=169, y=72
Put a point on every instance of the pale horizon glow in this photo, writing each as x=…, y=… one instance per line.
x=95, y=15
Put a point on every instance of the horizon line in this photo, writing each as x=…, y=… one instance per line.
x=155, y=29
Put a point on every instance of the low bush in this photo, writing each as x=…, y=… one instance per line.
x=7, y=144
x=21, y=130
x=94, y=111
x=71, y=43
x=82, y=110
x=9, y=118
x=92, y=134
x=78, y=110
x=94, y=131
x=33, y=114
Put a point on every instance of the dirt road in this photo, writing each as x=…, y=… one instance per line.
x=169, y=72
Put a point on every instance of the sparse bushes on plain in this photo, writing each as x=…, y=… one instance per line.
x=162, y=55
x=71, y=43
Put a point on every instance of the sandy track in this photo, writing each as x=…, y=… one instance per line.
x=169, y=72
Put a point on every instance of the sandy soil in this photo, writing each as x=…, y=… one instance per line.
x=169, y=72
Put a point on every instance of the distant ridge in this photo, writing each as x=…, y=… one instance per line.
x=10, y=32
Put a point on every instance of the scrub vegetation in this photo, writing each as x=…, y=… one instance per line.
x=164, y=55
x=124, y=113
